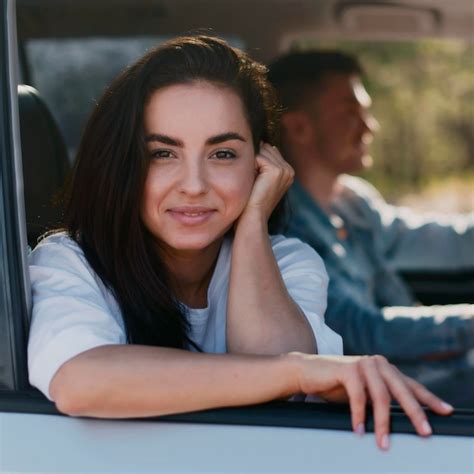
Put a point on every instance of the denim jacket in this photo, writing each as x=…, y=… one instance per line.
x=363, y=245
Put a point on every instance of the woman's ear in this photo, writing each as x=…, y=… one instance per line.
x=296, y=127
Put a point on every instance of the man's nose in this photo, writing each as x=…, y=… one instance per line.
x=371, y=124
x=194, y=180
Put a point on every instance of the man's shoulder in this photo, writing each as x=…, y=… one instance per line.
x=353, y=186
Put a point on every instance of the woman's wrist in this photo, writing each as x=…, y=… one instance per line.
x=253, y=220
x=291, y=362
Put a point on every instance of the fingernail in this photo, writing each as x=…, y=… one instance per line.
x=385, y=442
x=426, y=428
x=360, y=429
x=447, y=406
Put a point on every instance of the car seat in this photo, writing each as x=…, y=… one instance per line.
x=45, y=163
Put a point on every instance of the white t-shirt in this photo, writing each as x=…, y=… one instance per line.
x=74, y=312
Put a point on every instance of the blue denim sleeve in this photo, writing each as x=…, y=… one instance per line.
x=414, y=241
x=399, y=333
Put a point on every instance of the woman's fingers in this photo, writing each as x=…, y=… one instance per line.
x=355, y=390
x=273, y=177
x=374, y=377
x=270, y=151
x=380, y=397
x=411, y=395
x=272, y=156
x=406, y=396
x=428, y=398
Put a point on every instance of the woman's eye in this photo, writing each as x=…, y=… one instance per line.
x=161, y=154
x=224, y=154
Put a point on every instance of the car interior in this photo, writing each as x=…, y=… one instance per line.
x=45, y=162
x=265, y=28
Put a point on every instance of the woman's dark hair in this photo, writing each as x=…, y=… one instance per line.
x=104, y=196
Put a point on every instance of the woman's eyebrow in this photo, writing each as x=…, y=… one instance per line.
x=224, y=137
x=157, y=137
x=216, y=139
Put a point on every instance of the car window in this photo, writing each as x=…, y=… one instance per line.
x=423, y=97
x=72, y=73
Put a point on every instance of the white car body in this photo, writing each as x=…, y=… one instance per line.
x=48, y=443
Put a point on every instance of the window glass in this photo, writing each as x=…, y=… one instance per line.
x=71, y=74
x=423, y=97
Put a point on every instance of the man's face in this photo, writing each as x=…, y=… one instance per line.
x=343, y=126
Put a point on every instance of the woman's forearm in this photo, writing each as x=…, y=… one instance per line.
x=262, y=318
x=135, y=381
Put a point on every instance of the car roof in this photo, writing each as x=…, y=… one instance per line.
x=265, y=27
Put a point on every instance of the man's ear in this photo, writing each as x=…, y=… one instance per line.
x=297, y=127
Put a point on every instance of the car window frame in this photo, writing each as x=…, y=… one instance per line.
x=15, y=292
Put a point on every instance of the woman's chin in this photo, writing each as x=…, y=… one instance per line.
x=192, y=243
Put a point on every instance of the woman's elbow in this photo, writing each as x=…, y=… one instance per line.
x=68, y=393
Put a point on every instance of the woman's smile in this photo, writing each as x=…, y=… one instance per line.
x=190, y=215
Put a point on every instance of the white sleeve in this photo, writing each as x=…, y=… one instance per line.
x=306, y=280
x=71, y=313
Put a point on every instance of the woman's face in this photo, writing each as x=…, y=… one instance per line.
x=202, y=164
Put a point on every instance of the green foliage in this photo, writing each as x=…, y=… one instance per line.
x=423, y=97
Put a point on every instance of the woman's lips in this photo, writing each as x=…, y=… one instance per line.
x=191, y=215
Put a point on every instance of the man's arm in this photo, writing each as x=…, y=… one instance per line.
x=399, y=333
x=414, y=241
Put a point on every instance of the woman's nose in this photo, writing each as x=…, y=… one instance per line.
x=194, y=179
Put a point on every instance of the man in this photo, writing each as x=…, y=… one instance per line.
x=326, y=127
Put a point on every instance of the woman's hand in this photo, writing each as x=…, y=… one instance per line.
x=363, y=379
x=273, y=177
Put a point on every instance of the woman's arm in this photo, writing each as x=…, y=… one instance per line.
x=134, y=381
x=262, y=318
x=119, y=381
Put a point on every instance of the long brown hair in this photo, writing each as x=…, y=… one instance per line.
x=105, y=193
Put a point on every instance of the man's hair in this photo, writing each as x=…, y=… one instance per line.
x=296, y=75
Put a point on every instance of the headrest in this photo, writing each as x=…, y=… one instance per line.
x=45, y=163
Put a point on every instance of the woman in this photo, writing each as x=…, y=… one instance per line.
x=166, y=248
